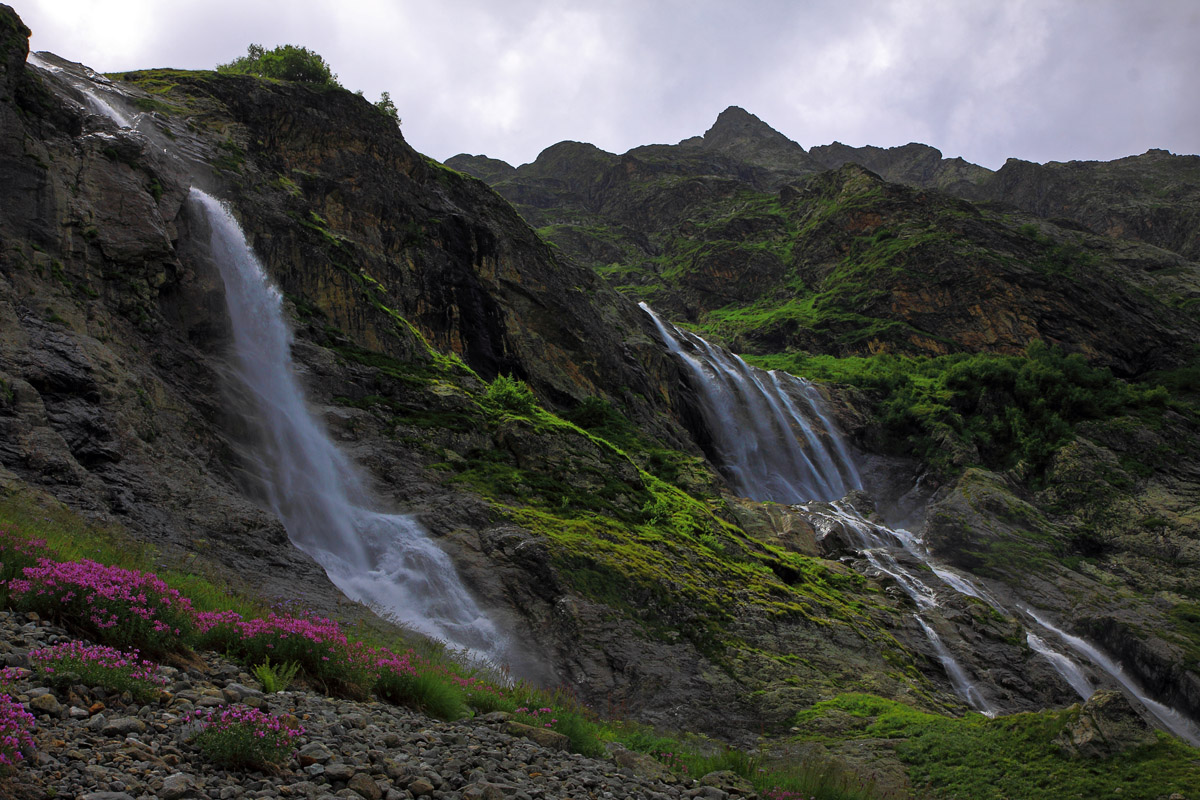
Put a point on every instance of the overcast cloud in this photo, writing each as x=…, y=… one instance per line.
x=1041, y=80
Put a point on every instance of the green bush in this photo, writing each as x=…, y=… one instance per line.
x=276, y=678
x=511, y=394
x=287, y=62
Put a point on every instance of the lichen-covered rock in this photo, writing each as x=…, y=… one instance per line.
x=1107, y=725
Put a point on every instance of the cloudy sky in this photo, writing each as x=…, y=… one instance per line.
x=1043, y=80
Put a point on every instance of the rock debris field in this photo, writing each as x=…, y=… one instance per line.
x=93, y=744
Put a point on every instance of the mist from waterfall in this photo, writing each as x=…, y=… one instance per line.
x=386, y=561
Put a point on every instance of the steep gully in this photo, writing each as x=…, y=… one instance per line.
x=770, y=437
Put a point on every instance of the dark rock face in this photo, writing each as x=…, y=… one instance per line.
x=912, y=164
x=1153, y=197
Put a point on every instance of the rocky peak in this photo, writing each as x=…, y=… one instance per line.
x=486, y=169
x=739, y=134
x=914, y=164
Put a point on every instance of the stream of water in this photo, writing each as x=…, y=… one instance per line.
x=384, y=560
x=770, y=449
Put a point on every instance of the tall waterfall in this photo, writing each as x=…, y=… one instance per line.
x=773, y=446
x=772, y=438
x=383, y=560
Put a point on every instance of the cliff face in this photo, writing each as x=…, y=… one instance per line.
x=868, y=254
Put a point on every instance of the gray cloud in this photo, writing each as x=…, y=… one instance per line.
x=1034, y=79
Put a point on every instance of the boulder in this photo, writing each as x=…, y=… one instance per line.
x=1107, y=725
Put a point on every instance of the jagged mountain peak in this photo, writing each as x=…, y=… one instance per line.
x=743, y=136
x=736, y=121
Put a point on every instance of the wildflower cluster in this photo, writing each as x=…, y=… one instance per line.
x=240, y=736
x=16, y=733
x=16, y=553
x=98, y=665
x=482, y=696
x=671, y=760
x=543, y=717
x=316, y=644
x=119, y=606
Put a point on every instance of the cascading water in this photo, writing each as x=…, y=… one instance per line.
x=765, y=444
x=88, y=89
x=1175, y=722
x=383, y=560
x=769, y=450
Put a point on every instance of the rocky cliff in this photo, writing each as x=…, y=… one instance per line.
x=584, y=514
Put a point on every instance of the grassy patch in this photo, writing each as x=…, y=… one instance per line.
x=1006, y=757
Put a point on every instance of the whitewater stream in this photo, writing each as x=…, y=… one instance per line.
x=386, y=561
x=774, y=441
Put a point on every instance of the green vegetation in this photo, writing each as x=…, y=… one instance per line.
x=388, y=108
x=1001, y=411
x=285, y=63
x=238, y=736
x=1006, y=757
x=276, y=677
x=509, y=394
x=782, y=779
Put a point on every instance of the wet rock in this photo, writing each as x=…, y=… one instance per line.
x=365, y=786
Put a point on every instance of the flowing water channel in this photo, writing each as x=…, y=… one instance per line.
x=773, y=446
x=386, y=561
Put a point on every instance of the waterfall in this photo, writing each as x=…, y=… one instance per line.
x=383, y=560
x=1174, y=721
x=87, y=88
x=766, y=444
x=958, y=676
x=774, y=441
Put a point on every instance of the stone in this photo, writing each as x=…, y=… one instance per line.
x=643, y=765
x=1107, y=725
x=421, y=787
x=46, y=704
x=364, y=785
x=314, y=753
x=123, y=726
x=728, y=781
x=487, y=791
x=543, y=736
x=339, y=771
x=176, y=786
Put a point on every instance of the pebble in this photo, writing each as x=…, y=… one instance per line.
x=118, y=750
